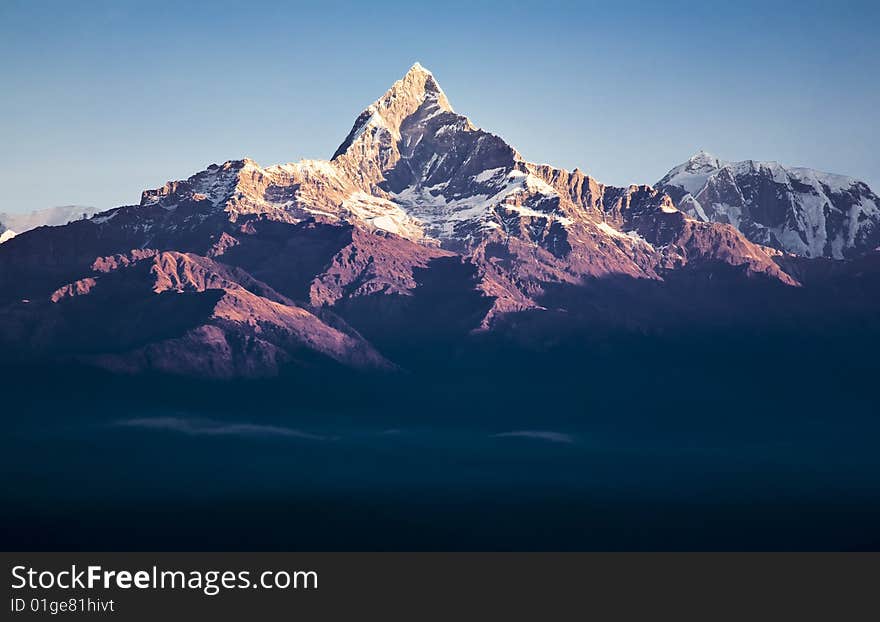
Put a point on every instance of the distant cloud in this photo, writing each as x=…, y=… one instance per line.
x=391, y=432
x=544, y=435
x=208, y=427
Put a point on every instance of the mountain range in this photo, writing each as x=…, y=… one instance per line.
x=423, y=230
x=797, y=210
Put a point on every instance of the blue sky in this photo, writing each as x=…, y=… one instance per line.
x=103, y=99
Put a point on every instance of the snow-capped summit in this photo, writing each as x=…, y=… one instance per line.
x=798, y=210
x=416, y=93
x=702, y=159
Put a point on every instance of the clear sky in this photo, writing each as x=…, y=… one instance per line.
x=103, y=99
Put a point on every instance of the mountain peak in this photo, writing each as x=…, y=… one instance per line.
x=416, y=91
x=703, y=157
x=418, y=68
x=796, y=210
x=703, y=161
x=416, y=87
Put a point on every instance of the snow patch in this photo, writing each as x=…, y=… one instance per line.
x=630, y=236
x=488, y=174
x=382, y=214
x=606, y=228
x=443, y=217
x=375, y=120
x=107, y=216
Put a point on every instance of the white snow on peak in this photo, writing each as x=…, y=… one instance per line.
x=630, y=236
x=418, y=84
x=375, y=120
x=693, y=174
x=107, y=216
x=833, y=181
x=382, y=214
x=217, y=187
x=306, y=168
x=7, y=235
x=416, y=91
x=535, y=184
x=714, y=190
x=703, y=164
x=704, y=158
x=417, y=67
x=489, y=173
x=606, y=228
x=442, y=217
